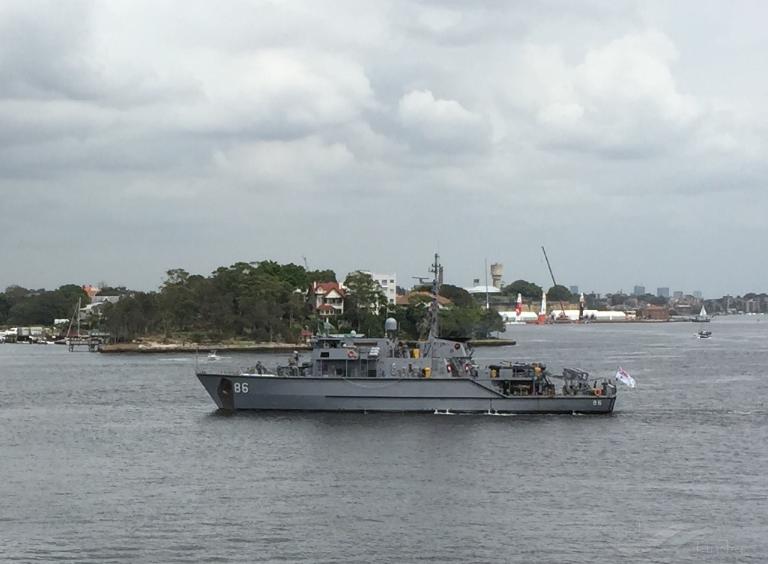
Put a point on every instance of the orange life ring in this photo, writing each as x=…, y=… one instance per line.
x=352, y=354
x=597, y=392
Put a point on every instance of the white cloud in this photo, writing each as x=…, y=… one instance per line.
x=621, y=99
x=523, y=112
x=444, y=123
x=303, y=163
x=275, y=89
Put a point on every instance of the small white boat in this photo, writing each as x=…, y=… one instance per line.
x=702, y=317
x=703, y=334
x=213, y=356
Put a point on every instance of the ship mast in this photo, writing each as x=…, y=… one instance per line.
x=434, y=329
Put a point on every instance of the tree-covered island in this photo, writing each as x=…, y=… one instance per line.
x=251, y=301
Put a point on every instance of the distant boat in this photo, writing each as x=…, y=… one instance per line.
x=213, y=356
x=703, y=334
x=702, y=317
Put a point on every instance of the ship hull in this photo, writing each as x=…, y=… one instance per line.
x=455, y=395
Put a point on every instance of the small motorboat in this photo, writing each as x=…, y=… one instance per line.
x=703, y=334
x=213, y=356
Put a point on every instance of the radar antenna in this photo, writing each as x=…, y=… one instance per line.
x=422, y=279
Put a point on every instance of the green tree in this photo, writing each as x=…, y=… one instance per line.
x=412, y=319
x=15, y=294
x=559, y=294
x=469, y=323
x=114, y=291
x=321, y=276
x=5, y=307
x=528, y=290
x=364, y=302
x=41, y=307
x=70, y=293
x=133, y=316
x=459, y=322
x=458, y=296
x=176, y=303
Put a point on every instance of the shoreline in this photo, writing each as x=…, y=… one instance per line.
x=157, y=348
x=160, y=348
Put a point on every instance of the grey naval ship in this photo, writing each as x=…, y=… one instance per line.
x=357, y=373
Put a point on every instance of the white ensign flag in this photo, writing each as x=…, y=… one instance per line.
x=624, y=377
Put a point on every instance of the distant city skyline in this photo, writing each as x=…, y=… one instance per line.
x=139, y=137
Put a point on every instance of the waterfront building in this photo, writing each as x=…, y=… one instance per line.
x=327, y=298
x=96, y=305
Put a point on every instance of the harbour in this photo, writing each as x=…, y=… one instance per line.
x=223, y=337
x=131, y=447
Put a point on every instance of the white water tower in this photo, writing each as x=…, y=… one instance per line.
x=497, y=270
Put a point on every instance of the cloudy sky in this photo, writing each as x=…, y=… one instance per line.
x=629, y=138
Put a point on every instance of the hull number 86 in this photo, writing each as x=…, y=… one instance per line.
x=241, y=388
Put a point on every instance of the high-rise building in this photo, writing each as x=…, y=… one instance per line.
x=574, y=290
x=638, y=291
x=677, y=294
x=662, y=292
x=697, y=294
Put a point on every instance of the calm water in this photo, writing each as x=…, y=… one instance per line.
x=123, y=459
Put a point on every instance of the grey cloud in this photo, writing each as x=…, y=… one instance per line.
x=191, y=136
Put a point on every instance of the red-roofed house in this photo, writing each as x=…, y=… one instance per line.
x=327, y=298
x=90, y=290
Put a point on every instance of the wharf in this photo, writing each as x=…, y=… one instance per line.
x=92, y=342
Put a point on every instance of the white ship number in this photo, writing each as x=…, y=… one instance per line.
x=594, y=402
x=241, y=388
